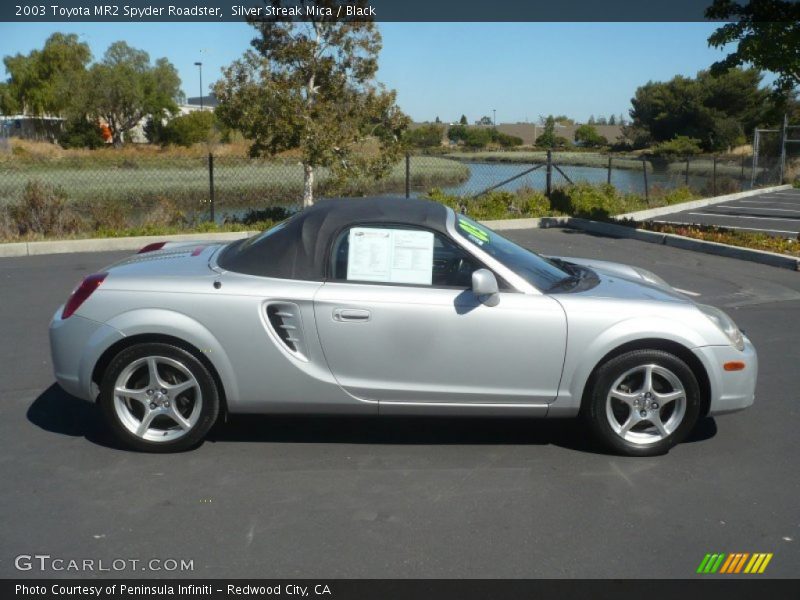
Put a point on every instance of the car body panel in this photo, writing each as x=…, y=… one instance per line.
x=430, y=345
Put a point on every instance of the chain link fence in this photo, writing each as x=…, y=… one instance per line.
x=225, y=186
x=641, y=175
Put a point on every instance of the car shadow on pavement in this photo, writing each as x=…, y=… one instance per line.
x=58, y=412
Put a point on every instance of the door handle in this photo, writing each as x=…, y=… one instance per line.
x=357, y=315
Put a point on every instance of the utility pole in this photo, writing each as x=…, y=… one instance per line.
x=199, y=65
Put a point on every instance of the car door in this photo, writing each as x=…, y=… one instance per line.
x=398, y=324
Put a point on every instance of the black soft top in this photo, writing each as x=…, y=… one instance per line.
x=300, y=247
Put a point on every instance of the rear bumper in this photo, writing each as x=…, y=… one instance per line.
x=731, y=391
x=76, y=345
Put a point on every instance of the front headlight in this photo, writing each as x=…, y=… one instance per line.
x=725, y=325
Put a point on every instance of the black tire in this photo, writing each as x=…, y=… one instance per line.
x=206, y=415
x=609, y=373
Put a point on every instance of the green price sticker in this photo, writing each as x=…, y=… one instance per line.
x=473, y=230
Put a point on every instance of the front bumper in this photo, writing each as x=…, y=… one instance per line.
x=76, y=344
x=731, y=391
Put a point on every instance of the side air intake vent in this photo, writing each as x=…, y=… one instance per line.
x=284, y=318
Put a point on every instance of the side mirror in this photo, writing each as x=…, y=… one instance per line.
x=484, y=285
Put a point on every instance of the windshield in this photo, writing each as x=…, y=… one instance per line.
x=536, y=270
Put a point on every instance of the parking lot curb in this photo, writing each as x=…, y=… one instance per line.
x=110, y=244
x=641, y=215
x=540, y=223
x=678, y=241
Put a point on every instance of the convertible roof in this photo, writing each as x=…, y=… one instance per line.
x=301, y=248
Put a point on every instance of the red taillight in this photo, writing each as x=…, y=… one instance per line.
x=151, y=247
x=82, y=292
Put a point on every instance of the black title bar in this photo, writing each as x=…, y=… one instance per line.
x=731, y=588
x=377, y=10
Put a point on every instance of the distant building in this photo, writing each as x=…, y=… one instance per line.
x=30, y=128
x=209, y=101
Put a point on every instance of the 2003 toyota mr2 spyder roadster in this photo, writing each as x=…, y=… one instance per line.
x=393, y=307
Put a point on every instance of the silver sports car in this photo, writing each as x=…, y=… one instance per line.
x=393, y=307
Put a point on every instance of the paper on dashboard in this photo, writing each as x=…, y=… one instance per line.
x=390, y=255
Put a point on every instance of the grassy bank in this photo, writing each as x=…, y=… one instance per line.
x=137, y=175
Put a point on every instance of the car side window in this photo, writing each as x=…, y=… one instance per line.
x=401, y=255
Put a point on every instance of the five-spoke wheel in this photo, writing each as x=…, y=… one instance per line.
x=158, y=397
x=644, y=402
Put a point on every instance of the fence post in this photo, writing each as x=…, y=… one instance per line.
x=686, y=176
x=211, y=183
x=549, y=174
x=741, y=176
x=782, y=166
x=608, y=178
x=646, y=187
x=408, y=175
x=714, y=178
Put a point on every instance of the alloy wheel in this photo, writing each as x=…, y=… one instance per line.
x=646, y=404
x=157, y=399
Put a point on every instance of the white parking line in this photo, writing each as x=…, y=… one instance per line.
x=790, y=210
x=778, y=202
x=735, y=227
x=707, y=214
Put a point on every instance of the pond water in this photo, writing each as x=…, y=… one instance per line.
x=484, y=175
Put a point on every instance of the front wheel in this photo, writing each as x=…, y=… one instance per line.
x=158, y=398
x=644, y=402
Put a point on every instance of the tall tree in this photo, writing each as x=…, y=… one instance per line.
x=548, y=137
x=124, y=88
x=767, y=36
x=587, y=136
x=463, y=120
x=41, y=82
x=310, y=86
x=718, y=110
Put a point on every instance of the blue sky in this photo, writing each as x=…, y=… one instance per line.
x=522, y=70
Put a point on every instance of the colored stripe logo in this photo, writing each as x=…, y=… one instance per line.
x=735, y=563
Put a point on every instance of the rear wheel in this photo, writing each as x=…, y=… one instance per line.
x=158, y=398
x=644, y=402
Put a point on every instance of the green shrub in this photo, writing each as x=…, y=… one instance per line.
x=588, y=201
x=425, y=136
x=81, y=133
x=477, y=137
x=680, y=145
x=505, y=140
x=588, y=137
x=677, y=195
x=524, y=203
x=185, y=130
x=480, y=137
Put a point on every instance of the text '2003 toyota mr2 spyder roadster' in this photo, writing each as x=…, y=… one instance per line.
x=393, y=307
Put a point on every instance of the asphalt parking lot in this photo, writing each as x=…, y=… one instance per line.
x=774, y=213
x=458, y=498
